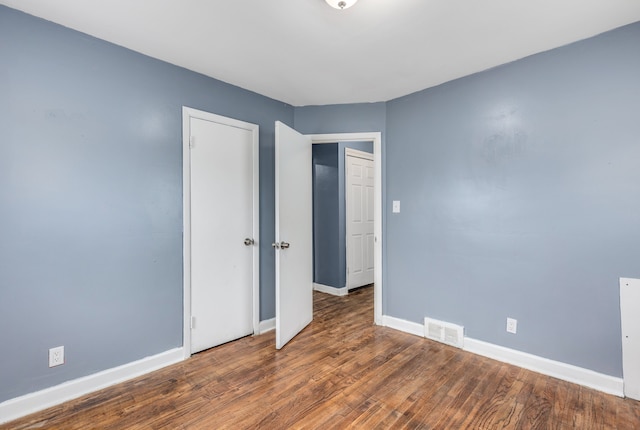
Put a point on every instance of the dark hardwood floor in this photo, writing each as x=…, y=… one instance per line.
x=340, y=372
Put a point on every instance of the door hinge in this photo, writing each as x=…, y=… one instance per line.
x=192, y=141
x=193, y=322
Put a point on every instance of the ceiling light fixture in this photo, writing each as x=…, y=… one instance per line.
x=341, y=4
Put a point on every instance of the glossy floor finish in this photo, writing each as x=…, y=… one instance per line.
x=341, y=372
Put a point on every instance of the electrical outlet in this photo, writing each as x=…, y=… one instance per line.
x=56, y=356
x=512, y=325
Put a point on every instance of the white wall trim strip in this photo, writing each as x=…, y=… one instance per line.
x=566, y=372
x=43, y=399
x=331, y=290
x=403, y=325
x=556, y=369
x=266, y=325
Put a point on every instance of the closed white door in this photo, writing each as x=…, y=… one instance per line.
x=294, y=239
x=359, y=218
x=222, y=230
x=630, y=312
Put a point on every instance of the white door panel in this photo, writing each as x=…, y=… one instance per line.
x=222, y=208
x=630, y=313
x=294, y=264
x=360, y=219
x=369, y=260
x=370, y=204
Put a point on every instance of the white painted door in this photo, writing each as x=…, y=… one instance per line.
x=294, y=242
x=359, y=218
x=222, y=217
x=630, y=312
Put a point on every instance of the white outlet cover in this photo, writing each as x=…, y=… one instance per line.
x=56, y=356
x=512, y=325
x=396, y=206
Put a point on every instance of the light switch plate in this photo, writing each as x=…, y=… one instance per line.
x=396, y=206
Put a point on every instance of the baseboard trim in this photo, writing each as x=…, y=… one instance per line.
x=40, y=400
x=266, y=325
x=403, y=325
x=556, y=369
x=33, y=402
x=566, y=372
x=331, y=290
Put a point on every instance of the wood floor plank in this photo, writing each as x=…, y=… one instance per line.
x=340, y=372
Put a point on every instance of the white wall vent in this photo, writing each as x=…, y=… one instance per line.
x=444, y=332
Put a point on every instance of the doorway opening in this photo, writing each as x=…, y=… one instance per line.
x=343, y=216
x=374, y=139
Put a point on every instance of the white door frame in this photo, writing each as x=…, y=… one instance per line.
x=376, y=138
x=187, y=114
x=350, y=152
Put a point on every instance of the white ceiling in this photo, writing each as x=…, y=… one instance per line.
x=303, y=52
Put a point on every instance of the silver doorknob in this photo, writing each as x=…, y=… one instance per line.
x=281, y=245
x=249, y=242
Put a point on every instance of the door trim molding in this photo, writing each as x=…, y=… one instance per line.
x=187, y=114
x=376, y=138
x=354, y=153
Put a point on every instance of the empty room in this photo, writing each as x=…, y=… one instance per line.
x=320, y=214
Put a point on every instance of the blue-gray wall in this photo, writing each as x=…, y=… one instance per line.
x=326, y=218
x=91, y=199
x=329, y=213
x=351, y=118
x=520, y=191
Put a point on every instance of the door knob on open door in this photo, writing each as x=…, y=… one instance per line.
x=281, y=245
x=249, y=242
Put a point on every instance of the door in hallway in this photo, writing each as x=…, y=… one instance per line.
x=359, y=217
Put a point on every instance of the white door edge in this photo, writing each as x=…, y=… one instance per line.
x=187, y=114
x=350, y=152
x=376, y=138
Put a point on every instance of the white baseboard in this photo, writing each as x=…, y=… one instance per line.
x=403, y=325
x=556, y=369
x=331, y=290
x=43, y=399
x=566, y=372
x=266, y=325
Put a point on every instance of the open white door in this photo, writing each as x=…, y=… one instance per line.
x=294, y=239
